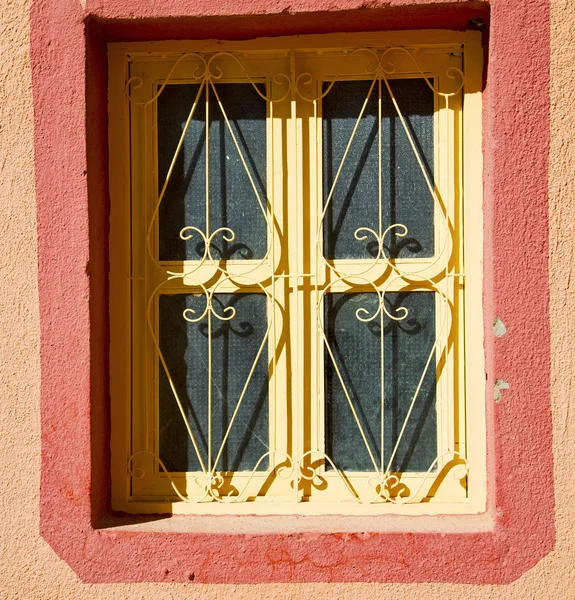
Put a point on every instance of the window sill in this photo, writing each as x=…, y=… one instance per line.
x=290, y=524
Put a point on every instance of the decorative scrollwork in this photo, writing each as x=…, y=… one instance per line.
x=213, y=486
x=215, y=72
x=394, y=490
x=361, y=234
x=208, y=71
x=378, y=68
x=451, y=72
x=191, y=316
x=282, y=471
x=384, y=487
x=136, y=82
x=141, y=473
x=307, y=78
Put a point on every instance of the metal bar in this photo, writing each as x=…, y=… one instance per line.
x=294, y=261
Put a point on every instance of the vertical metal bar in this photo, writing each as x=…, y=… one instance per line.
x=145, y=283
x=211, y=296
x=271, y=196
x=294, y=282
x=446, y=405
x=209, y=390
x=380, y=174
x=382, y=381
x=207, y=161
x=319, y=397
x=382, y=299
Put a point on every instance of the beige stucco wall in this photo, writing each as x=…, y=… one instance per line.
x=30, y=569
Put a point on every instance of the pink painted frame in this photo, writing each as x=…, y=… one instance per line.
x=68, y=49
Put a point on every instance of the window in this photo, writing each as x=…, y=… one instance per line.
x=295, y=275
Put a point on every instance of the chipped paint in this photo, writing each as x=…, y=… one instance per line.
x=499, y=385
x=499, y=328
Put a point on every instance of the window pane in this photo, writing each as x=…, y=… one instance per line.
x=406, y=198
x=356, y=347
x=232, y=200
x=235, y=344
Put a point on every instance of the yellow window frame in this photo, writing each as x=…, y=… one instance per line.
x=294, y=273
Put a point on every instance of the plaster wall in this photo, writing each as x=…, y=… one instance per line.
x=29, y=567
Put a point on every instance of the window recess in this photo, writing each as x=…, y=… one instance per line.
x=293, y=278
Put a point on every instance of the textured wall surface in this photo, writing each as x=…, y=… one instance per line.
x=30, y=569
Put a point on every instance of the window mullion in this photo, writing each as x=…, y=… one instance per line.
x=294, y=252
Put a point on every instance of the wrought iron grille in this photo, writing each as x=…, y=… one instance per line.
x=297, y=276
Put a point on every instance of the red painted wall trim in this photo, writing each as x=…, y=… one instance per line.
x=69, y=84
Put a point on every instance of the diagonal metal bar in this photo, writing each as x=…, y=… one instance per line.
x=170, y=171
x=432, y=354
x=242, y=396
x=344, y=387
x=170, y=380
x=236, y=143
x=428, y=182
x=332, y=190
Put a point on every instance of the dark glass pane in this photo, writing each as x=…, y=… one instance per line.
x=235, y=344
x=233, y=202
x=406, y=198
x=356, y=347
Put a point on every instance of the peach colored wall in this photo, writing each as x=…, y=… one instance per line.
x=30, y=569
